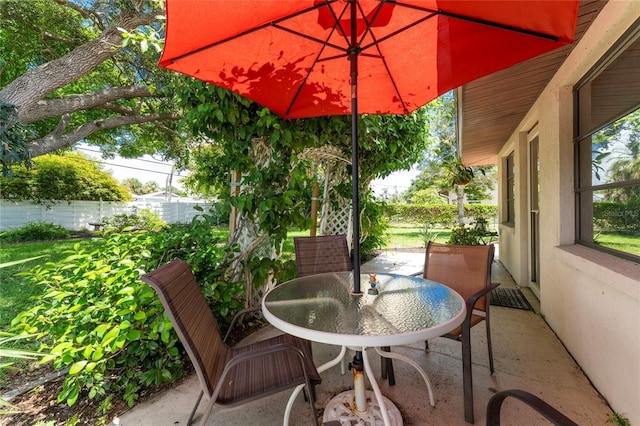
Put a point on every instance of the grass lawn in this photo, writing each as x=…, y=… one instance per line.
x=402, y=235
x=629, y=243
x=14, y=293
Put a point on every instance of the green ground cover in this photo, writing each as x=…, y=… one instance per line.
x=626, y=243
x=403, y=235
x=15, y=294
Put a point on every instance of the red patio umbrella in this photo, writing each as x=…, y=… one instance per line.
x=306, y=58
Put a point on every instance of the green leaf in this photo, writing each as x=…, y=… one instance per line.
x=126, y=290
x=87, y=352
x=77, y=367
x=165, y=336
x=98, y=354
x=134, y=335
x=140, y=316
x=73, y=396
x=100, y=330
x=112, y=334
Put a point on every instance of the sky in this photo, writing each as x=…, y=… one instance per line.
x=148, y=169
x=144, y=169
x=396, y=183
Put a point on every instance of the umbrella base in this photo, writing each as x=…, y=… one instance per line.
x=341, y=408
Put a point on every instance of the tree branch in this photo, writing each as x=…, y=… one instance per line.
x=34, y=85
x=55, y=107
x=55, y=141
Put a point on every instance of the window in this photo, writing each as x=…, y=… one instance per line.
x=510, y=187
x=607, y=153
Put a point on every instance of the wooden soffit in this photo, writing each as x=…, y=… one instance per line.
x=493, y=106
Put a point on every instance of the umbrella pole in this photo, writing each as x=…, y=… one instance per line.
x=355, y=198
x=355, y=201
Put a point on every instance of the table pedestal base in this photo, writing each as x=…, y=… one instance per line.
x=342, y=408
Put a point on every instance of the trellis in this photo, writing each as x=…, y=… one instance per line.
x=336, y=211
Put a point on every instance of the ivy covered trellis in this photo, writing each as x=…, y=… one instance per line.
x=272, y=161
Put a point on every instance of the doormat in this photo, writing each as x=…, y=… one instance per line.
x=509, y=298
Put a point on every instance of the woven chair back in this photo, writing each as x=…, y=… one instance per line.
x=192, y=319
x=317, y=255
x=466, y=269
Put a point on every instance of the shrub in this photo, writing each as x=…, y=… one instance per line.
x=34, y=231
x=198, y=245
x=374, y=224
x=438, y=214
x=428, y=234
x=68, y=176
x=469, y=236
x=96, y=317
x=136, y=220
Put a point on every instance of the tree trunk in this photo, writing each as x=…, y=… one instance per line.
x=460, y=196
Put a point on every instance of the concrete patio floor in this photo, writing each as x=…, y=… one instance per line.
x=527, y=356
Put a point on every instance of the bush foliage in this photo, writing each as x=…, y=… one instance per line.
x=137, y=219
x=34, y=231
x=96, y=317
x=67, y=177
x=617, y=216
x=438, y=214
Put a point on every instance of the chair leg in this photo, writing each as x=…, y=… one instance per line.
x=312, y=402
x=383, y=364
x=390, y=373
x=467, y=377
x=207, y=413
x=489, y=347
x=312, y=391
x=386, y=367
x=195, y=407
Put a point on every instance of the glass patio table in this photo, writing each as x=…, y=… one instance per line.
x=405, y=310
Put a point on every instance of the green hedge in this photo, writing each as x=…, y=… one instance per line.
x=438, y=214
x=617, y=216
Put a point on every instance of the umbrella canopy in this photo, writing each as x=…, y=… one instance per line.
x=307, y=58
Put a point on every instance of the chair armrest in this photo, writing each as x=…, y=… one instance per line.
x=473, y=299
x=236, y=317
x=549, y=412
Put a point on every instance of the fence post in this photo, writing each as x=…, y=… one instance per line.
x=315, y=190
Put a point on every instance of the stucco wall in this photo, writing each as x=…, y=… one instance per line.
x=590, y=299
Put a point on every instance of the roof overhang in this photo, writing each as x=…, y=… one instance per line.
x=491, y=108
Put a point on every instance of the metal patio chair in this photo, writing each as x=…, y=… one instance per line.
x=467, y=270
x=320, y=254
x=549, y=412
x=229, y=376
x=330, y=253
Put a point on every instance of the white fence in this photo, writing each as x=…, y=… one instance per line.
x=79, y=215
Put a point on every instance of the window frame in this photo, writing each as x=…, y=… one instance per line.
x=584, y=207
x=510, y=190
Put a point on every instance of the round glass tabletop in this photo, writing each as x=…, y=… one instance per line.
x=322, y=308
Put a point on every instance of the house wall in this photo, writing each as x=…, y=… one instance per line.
x=590, y=299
